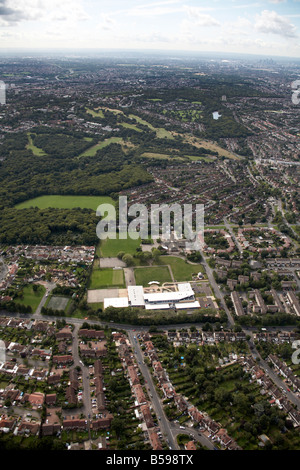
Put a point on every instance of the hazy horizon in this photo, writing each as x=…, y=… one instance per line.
x=140, y=53
x=266, y=27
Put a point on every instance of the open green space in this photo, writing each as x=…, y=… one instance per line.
x=66, y=202
x=144, y=275
x=91, y=152
x=160, y=156
x=111, y=247
x=30, y=297
x=106, y=277
x=200, y=143
x=181, y=269
x=57, y=302
x=35, y=150
x=95, y=113
x=130, y=126
x=186, y=115
x=196, y=158
x=160, y=132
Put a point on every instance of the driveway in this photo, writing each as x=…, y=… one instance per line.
x=129, y=277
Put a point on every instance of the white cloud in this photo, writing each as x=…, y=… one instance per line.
x=277, y=1
x=107, y=22
x=271, y=22
x=32, y=10
x=196, y=17
x=156, y=9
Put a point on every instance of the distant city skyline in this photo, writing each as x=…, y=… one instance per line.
x=266, y=27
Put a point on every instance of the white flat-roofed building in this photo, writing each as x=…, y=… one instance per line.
x=136, y=296
x=116, y=302
x=185, y=294
x=157, y=306
x=186, y=305
x=167, y=297
x=186, y=288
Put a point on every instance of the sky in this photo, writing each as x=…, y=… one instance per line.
x=267, y=27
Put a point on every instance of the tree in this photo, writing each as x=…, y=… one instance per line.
x=118, y=426
x=120, y=254
x=156, y=254
x=128, y=259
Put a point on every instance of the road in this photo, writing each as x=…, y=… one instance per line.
x=270, y=372
x=49, y=288
x=169, y=429
x=155, y=400
x=229, y=228
x=193, y=433
x=280, y=208
x=275, y=378
x=86, y=395
x=216, y=289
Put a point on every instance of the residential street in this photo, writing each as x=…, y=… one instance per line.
x=156, y=401
x=217, y=291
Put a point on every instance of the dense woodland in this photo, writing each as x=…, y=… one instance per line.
x=50, y=160
x=24, y=176
x=48, y=226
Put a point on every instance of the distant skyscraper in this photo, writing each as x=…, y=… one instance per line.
x=2, y=92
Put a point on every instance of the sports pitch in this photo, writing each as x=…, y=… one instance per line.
x=66, y=202
x=106, y=277
x=58, y=303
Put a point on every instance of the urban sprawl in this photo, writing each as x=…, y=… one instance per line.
x=142, y=343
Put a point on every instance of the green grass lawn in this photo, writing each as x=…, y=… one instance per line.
x=97, y=113
x=160, y=132
x=181, y=270
x=57, y=302
x=96, y=305
x=296, y=228
x=130, y=126
x=106, y=277
x=196, y=158
x=32, y=298
x=66, y=202
x=35, y=150
x=160, y=156
x=152, y=273
x=91, y=152
x=110, y=248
